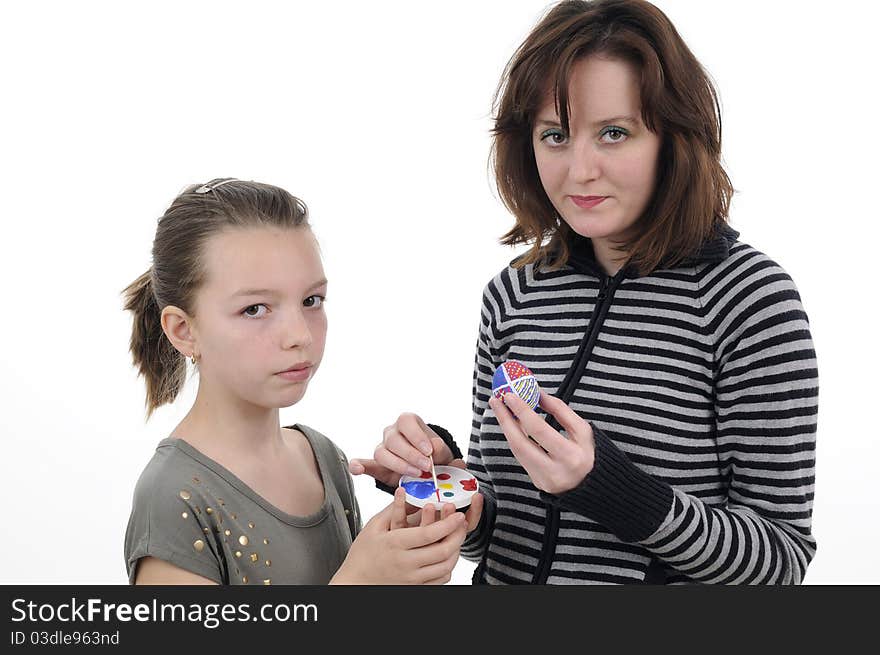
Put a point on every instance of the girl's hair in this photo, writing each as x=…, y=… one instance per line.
x=177, y=273
x=679, y=103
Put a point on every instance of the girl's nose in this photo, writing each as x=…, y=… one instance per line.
x=297, y=333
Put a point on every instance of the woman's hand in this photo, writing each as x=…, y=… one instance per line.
x=405, y=450
x=401, y=453
x=555, y=464
x=388, y=551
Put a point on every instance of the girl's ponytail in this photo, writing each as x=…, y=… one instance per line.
x=163, y=367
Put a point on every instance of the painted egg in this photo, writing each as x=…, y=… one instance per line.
x=515, y=377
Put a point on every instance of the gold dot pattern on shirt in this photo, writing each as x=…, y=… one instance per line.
x=220, y=500
x=233, y=516
x=266, y=541
x=208, y=510
x=185, y=515
x=185, y=494
x=244, y=579
x=251, y=526
x=227, y=532
x=199, y=545
x=196, y=480
x=206, y=530
x=254, y=557
x=243, y=540
x=268, y=562
x=238, y=553
x=267, y=581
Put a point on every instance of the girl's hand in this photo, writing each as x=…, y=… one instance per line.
x=404, y=450
x=555, y=464
x=385, y=553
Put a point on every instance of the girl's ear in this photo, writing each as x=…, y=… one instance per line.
x=178, y=327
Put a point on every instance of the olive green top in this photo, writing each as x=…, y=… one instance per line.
x=192, y=512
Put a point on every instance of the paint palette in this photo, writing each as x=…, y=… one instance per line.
x=456, y=486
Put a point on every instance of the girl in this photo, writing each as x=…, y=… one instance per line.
x=678, y=370
x=231, y=497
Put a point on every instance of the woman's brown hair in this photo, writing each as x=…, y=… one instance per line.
x=177, y=272
x=679, y=103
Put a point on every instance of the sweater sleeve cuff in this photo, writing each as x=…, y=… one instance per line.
x=618, y=494
x=443, y=433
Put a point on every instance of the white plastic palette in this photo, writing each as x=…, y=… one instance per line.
x=456, y=486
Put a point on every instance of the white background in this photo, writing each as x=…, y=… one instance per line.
x=377, y=115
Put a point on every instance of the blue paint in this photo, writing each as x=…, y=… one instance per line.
x=419, y=488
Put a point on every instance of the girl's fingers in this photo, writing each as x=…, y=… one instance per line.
x=429, y=515
x=398, y=512
x=439, y=572
x=474, y=512
x=429, y=534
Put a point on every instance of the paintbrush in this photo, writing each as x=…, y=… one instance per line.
x=436, y=486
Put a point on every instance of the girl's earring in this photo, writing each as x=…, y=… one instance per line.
x=193, y=358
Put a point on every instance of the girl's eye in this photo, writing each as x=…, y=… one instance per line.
x=617, y=134
x=314, y=301
x=553, y=137
x=247, y=311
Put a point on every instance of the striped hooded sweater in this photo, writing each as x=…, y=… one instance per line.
x=700, y=383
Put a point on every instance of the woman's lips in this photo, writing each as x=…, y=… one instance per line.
x=587, y=202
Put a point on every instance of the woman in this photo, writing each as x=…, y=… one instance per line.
x=680, y=434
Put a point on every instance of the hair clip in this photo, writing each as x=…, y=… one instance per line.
x=205, y=188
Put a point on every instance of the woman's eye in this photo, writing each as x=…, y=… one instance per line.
x=247, y=311
x=554, y=137
x=617, y=134
x=314, y=301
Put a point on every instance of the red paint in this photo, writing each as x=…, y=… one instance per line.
x=425, y=475
x=469, y=485
x=443, y=476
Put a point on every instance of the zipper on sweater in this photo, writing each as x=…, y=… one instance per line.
x=567, y=388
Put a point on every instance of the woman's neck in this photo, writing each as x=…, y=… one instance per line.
x=610, y=259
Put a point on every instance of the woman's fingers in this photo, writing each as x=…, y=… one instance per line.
x=413, y=428
x=442, y=455
x=567, y=417
x=389, y=460
x=401, y=445
x=527, y=453
x=535, y=426
x=375, y=470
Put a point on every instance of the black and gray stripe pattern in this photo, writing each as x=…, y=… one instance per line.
x=702, y=389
